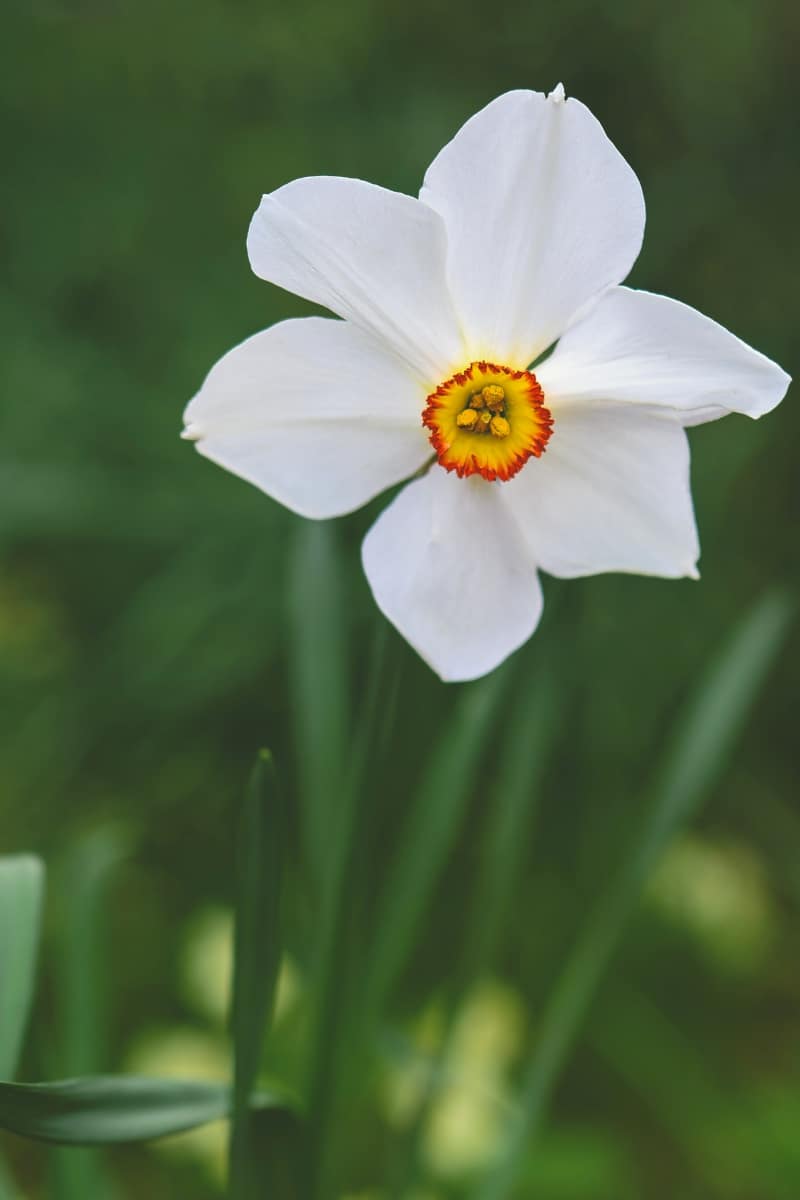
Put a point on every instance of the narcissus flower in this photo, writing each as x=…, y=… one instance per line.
x=486, y=353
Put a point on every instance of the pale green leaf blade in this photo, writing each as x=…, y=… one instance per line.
x=83, y=881
x=113, y=1109
x=318, y=676
x=108, y=1109
x=257, y=950
x=21, y=897
x=433, y=821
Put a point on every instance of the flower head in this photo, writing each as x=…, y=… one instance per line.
x=573, y=461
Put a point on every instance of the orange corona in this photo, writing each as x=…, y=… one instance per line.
x=487, y=420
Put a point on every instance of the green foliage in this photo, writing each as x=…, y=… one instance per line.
x=21, y=893
x=87, y=872
x=317, y=619
x=257, y=950
x=700, y=748
x=435, y=815
x=103, y=1111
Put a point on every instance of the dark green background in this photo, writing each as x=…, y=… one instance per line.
x=148, y=640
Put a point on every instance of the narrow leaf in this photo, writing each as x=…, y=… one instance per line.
x=510, y=816
x=707, y=735
x=82, y=978
x=513, y=804
x=319, y=681
x=21, y=896
x=277, y=1140
x=108, y=1109
x=432, y=825
x=84, y=878
x=257, y=948
x=334, y=979
x=699, y=751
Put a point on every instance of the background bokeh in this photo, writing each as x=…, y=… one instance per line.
x=160, y=619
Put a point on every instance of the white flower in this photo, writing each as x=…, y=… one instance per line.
x=526, y=223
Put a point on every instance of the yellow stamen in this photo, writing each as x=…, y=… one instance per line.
x=493, y=397
x=476, y=400
x=467, y=419
x=500, y=427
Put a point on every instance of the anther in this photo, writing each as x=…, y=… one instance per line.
x=500, y=427
x=493, y=397
x=467, y=419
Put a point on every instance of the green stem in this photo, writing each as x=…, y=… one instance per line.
x=333, y=971
x=257, y=952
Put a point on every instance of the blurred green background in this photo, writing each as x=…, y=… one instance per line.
x=160, y=619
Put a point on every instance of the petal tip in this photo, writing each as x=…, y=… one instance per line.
x=192, y=432
x=781, y=382
x=784, y=380
x=558, y=95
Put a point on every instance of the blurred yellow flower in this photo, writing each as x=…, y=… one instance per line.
x=472, y=1109
x=185, y=1053
x=719, y=891
x=471, y=1102
x=206, y=963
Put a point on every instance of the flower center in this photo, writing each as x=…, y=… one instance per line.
x=487, y=420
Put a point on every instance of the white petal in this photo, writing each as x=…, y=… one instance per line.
x=610, y=493
x=315, y=413
x=542, y=213
x=448, y=567
x=373, y=256
x=634, y=346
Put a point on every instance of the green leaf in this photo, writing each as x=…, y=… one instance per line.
x=512, y=807
x=277, y=1140
x=108, y=1109
x=705, y=738
x=333, y=1052
x=435, y=816
x=21, y=896
x=84, y=879
x=112, y=1109
x=257, y=949
x=697, y=754
x=318, y=666
x=83, y=882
